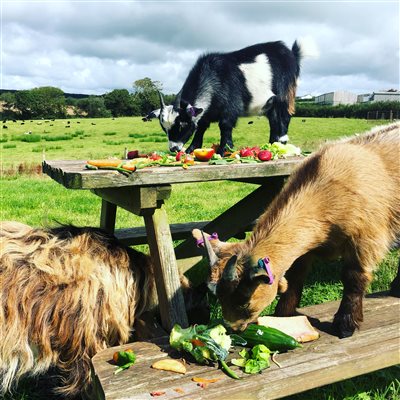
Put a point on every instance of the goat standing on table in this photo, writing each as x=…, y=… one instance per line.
x=344, y=200
x=259, y=79
x=67, y=293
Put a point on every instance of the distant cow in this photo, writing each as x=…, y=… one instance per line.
x=260, y=79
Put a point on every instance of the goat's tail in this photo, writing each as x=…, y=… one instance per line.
x=297, y=52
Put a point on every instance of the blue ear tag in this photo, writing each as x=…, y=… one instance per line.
x=264, y=264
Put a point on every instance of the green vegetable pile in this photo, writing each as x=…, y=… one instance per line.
x=253, y=361
x=208, y=344
x=204, y=344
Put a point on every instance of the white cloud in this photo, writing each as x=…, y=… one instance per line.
x=94, y=47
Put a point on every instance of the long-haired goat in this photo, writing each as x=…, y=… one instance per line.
x=66, y=293
x=344, y=200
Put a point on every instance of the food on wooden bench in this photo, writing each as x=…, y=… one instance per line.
x=205, y=380
x=255, y=360
x=298, y=327
x=204, y=344
x=112, y=162
x=273, y=338
x=169, y=364
x=124, y=359
x=264, y=155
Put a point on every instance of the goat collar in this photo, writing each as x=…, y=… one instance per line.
x=264, y=263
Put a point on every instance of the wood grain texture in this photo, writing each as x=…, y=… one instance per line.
x=170, y=297
x=73, y=175
x=327, y=360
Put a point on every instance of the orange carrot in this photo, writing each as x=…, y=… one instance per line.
x=105, y=163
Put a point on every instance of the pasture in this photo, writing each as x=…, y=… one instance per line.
x=29, y=197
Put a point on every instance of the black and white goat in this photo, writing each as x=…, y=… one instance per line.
x=259, y=79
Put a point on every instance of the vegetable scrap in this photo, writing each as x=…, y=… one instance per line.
x=135, y=160
x=253, y=361
x=179, y=390
x=205, y=380
x=205, y=344
x=170, y=365
x=124, y=359
x=157, y=393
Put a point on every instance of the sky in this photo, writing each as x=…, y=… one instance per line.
x=93, y=47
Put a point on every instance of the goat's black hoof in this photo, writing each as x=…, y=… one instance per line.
x=343, y=325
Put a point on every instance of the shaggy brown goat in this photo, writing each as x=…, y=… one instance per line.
x=344, y=200
x=66, y=293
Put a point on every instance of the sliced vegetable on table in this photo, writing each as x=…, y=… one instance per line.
x=124, y=359
x=170, y=365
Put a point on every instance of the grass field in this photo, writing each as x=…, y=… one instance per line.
x=29, y=197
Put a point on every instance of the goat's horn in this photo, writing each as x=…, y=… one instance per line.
x=211, y=256
x=229, y=273
x=161, y=99
x=177, y=102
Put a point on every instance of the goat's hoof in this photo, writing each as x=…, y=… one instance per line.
x=344, y=325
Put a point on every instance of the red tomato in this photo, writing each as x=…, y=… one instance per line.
x=155, y=157
x=246, y=152
x=264, y=155
x=179, y=155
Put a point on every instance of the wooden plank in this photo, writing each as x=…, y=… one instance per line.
x=134, y=236
x=170, y=297
x=318, y=363
x=237, y=218
x=108, y=215
x=137, y=200
x=73, y=175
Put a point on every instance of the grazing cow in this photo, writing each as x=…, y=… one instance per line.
x=344, y=200
x=67, y=293
x=259, y=79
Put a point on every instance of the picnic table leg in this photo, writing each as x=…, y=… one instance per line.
x=236, y=218
x=108, y=216
x=170, y=296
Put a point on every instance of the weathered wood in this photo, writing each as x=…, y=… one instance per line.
x=237, y=218
x=107, y=216
x=137, y=200
x=170, y=297
x=73, y=175
x=318, y=363
x=134, y=236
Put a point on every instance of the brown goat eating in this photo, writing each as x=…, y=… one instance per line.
x=66, y=293
x=342, y=201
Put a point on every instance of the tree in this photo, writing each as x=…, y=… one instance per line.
x=146, y=95
x=93, y=107
x=7, y=100
x=119, y=102
x=42, y=102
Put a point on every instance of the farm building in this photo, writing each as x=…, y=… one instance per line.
x=335, y=98
x=389, y=95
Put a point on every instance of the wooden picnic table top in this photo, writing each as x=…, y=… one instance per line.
x=329, y=359
x=73, y=174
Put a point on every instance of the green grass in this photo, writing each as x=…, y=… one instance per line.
x=37, y=200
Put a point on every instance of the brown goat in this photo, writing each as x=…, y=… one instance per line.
x=344, y=200
x=66, y=293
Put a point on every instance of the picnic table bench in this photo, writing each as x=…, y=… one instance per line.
x=144, y=193
x=329, y=359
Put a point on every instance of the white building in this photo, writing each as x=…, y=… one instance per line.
x=389, y=95
x=335, y=98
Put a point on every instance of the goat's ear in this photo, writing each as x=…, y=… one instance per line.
x=193, y=111
x=229, y=273
x=255, y=273
x=153, y=114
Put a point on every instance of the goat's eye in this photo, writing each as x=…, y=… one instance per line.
x=244, y=306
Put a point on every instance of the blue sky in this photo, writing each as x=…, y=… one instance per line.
x=96, y=46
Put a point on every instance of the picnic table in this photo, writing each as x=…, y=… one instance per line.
x=145, y=192
x=329, y=359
